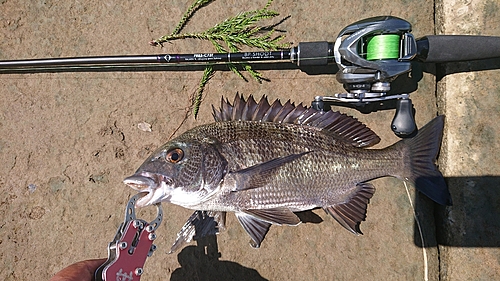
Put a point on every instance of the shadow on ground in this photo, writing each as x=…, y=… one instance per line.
x=201, y=262
x=472, y=220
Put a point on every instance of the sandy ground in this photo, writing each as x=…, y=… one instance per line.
x=68, y=139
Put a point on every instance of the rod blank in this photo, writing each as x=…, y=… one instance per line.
x=148, y=59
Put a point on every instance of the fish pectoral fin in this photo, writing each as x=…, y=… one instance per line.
x=351, y=213
x=256, y=228
x=258, y=175
x=279, y=216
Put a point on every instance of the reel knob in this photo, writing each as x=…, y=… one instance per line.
x=403, y=124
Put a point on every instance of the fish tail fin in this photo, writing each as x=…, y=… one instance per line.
x=422, y=151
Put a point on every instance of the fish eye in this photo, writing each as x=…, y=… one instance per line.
x=174, y=155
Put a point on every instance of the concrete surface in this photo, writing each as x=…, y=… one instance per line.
x=69, y=138
x=469, y=95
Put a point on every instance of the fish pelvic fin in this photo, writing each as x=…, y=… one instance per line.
x=257, y=229
x=422, y=151
x=256, y=222
x=351, y=213
x=279, y=216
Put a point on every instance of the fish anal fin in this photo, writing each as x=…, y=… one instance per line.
x=279, y=216
x=257, y=229
x=258, y=175
x=351, y=213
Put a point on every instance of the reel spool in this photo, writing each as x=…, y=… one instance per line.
x=382, y=47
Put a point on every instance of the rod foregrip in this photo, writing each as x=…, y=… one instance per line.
x=454, y=48
x=312, y=53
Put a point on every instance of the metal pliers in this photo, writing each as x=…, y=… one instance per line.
x=133, y=243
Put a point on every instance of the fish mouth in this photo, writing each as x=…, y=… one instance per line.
x=140, y=183
x=151, y=185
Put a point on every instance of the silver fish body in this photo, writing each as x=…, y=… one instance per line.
x=265, y=162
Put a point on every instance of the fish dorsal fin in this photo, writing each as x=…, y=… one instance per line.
x=341, y=126
x=351, y=213
x=257, y=229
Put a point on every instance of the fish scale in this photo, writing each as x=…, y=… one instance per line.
x=322, y=172
x=264, y=162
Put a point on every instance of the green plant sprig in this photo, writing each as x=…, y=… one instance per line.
x=197, y=98
x=189, y=13
x=237, y=30
x=229, y=36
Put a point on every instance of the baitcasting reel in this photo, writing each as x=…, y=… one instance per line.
x=370, y=54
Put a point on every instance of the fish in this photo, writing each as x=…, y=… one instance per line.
x=265, y=162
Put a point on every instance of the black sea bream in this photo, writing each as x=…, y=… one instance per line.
x=262, y=162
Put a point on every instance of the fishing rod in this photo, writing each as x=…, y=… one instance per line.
x=370, y=54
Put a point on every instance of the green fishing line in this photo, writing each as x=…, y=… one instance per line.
x=381, y=47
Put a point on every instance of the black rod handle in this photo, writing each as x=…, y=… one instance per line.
x=453, y=48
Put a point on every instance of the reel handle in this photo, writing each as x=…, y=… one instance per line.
x=403, y=123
